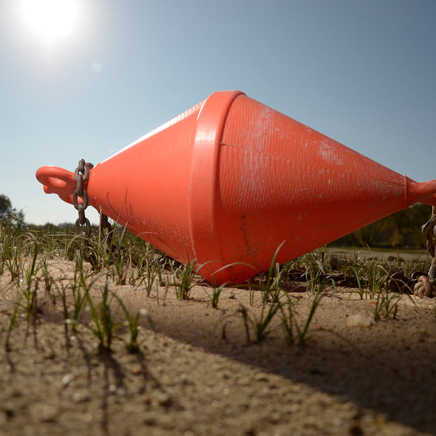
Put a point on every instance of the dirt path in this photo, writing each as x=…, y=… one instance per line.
x=199, y=375
x=375, y=253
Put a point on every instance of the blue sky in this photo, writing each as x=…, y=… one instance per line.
x=361, y=72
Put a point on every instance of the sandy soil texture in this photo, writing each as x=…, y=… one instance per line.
x=200, y=374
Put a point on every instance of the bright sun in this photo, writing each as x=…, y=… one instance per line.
x=50, y=19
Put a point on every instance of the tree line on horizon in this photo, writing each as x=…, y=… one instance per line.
x=399, y=230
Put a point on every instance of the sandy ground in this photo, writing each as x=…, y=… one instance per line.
x=198, y=374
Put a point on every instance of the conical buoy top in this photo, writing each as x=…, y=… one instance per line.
x=230, y=180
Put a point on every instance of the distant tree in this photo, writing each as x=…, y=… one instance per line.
x=396, y=238
x=8, y=213
x=401, y=229
x=369, y=235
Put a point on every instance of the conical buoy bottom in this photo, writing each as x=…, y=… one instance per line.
x=230, y=180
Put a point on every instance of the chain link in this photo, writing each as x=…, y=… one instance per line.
x=81, y=175
x=83, y=226
x=105, y=225
x=426, y=286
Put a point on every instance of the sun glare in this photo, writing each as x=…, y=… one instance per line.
x=50, y=19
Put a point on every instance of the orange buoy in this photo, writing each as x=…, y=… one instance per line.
x=230, y=180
